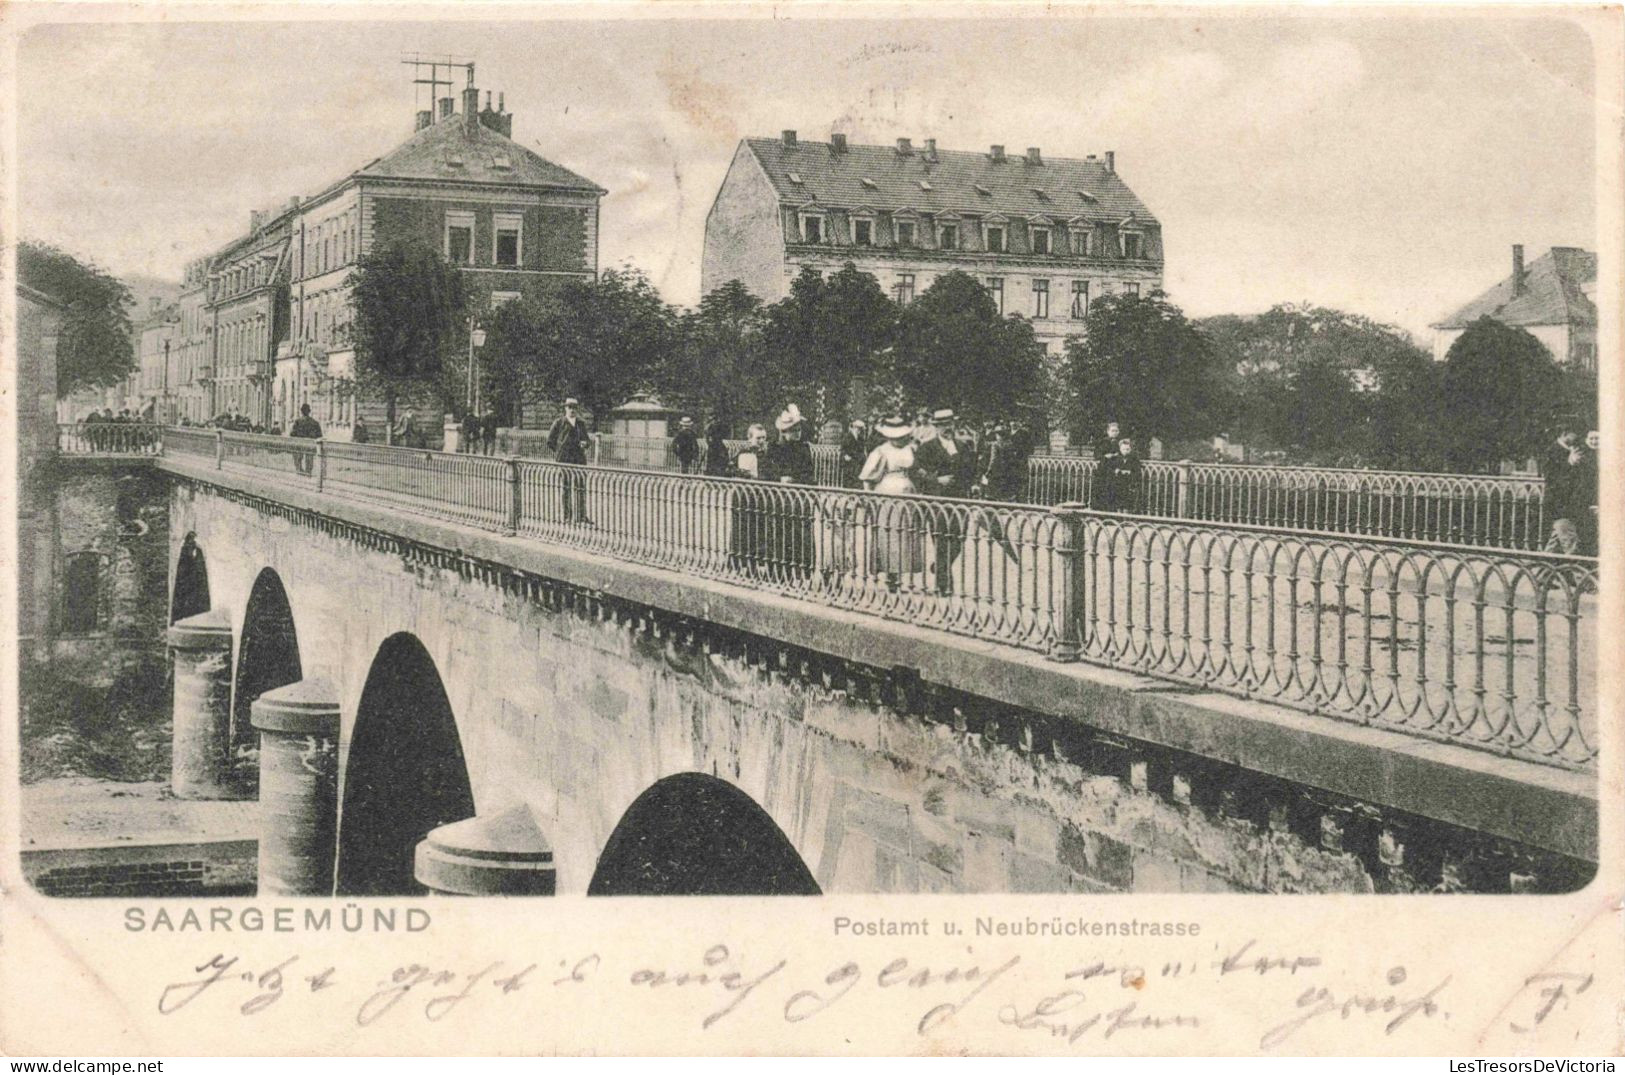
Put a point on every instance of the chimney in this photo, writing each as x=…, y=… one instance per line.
x=256, y=218
x=446, y=104
x=1033, y=156
x=997, y=153
x=837, y=142
x=788, y=138
x=1518, y=285
x=931, y=149
x=1111, y=161
x=471, y=108
x=425, y=118
x=905, y=146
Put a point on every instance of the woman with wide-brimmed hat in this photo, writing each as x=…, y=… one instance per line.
x=896, y=547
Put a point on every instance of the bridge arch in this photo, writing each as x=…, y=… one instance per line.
x=404, y=774
x=695, y=835
x=191, y=593
x=267, y=658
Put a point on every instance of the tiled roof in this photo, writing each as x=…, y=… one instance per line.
x=881, y=177
x=481, y=155
x=1552, y=294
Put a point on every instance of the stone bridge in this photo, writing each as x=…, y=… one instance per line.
x=643, y=731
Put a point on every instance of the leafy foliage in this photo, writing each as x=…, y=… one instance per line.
x=1145, y=366
x=719, y=367
x=1501, y=393
x=824, y=333
x=599, y=340
x=411, y=309
x=953, y=348
x=94, y=348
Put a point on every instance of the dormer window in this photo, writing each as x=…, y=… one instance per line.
x=454, y=160
x=812, y=227
x=948, y=236
x=905, y=233
x=1090, y=198
x=795, y=177
x=863, y=231
x=983, y=191
x=1040, y=239
x=925, y=184
x=993, y=238
x=501, y=161
x=1133, y=244
x=868, y=183
x=1038, y=192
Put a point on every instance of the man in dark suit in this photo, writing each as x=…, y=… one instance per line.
x=1118, y=479
x=949, y=465
x=568, y=439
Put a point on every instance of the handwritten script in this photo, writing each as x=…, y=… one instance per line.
x=1099, y=1000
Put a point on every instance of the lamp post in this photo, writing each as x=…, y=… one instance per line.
x=476, y=338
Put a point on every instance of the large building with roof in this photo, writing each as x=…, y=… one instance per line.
x=1553, y=298
x=1046, y=236
x=274, y=304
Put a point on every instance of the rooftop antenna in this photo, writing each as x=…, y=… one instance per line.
x=417, y=61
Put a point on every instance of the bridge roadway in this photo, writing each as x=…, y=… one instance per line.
x=1490, y=796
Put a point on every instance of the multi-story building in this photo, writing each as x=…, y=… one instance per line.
x=1553, y=299
x=1046, y=236
x=156, y=357
x=277, y=320
x=193, y=372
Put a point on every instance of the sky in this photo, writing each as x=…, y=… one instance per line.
x=1377, y=164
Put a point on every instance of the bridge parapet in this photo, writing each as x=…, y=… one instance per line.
x=1325, y=802
x=1491, y=649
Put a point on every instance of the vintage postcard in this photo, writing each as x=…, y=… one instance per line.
x=812, y=529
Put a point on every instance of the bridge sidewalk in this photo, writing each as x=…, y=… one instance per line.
x=77, y=813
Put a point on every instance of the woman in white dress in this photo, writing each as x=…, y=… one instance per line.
x=896, y=545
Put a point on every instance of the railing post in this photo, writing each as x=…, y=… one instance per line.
x=321, y=464
x=1182, y=498
x=513, y=496
x=1067, y=589
x=219, y=448
x=597, y=441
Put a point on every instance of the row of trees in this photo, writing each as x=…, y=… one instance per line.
x=733, y=356
x=1322, y=386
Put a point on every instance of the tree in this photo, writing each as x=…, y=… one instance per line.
x=94, y=348
x=1145, y=366
x=410, y=321
x=1501, y=391
x=953, y=347
x=1282, y=371
x=824, y=333
x=718, y=366
x=598, y=340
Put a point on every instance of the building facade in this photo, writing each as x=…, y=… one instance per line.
x=1553, y=299
x=156, y=364
x=276, y=321
x=1045, y=236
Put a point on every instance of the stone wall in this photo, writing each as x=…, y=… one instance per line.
x=576, y=702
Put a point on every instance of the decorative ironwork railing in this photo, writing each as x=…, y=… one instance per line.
x=107, y=438
x=1489, y=648
x=1496, y=511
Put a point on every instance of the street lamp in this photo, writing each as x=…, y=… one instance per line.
x=476, y=338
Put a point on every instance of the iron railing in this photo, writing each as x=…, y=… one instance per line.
x=1489, y=510
x=1488, y=648
x=107, y=438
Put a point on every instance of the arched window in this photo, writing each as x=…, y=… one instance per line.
x=81, y=593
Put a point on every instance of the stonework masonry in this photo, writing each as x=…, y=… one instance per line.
x=572, y=697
